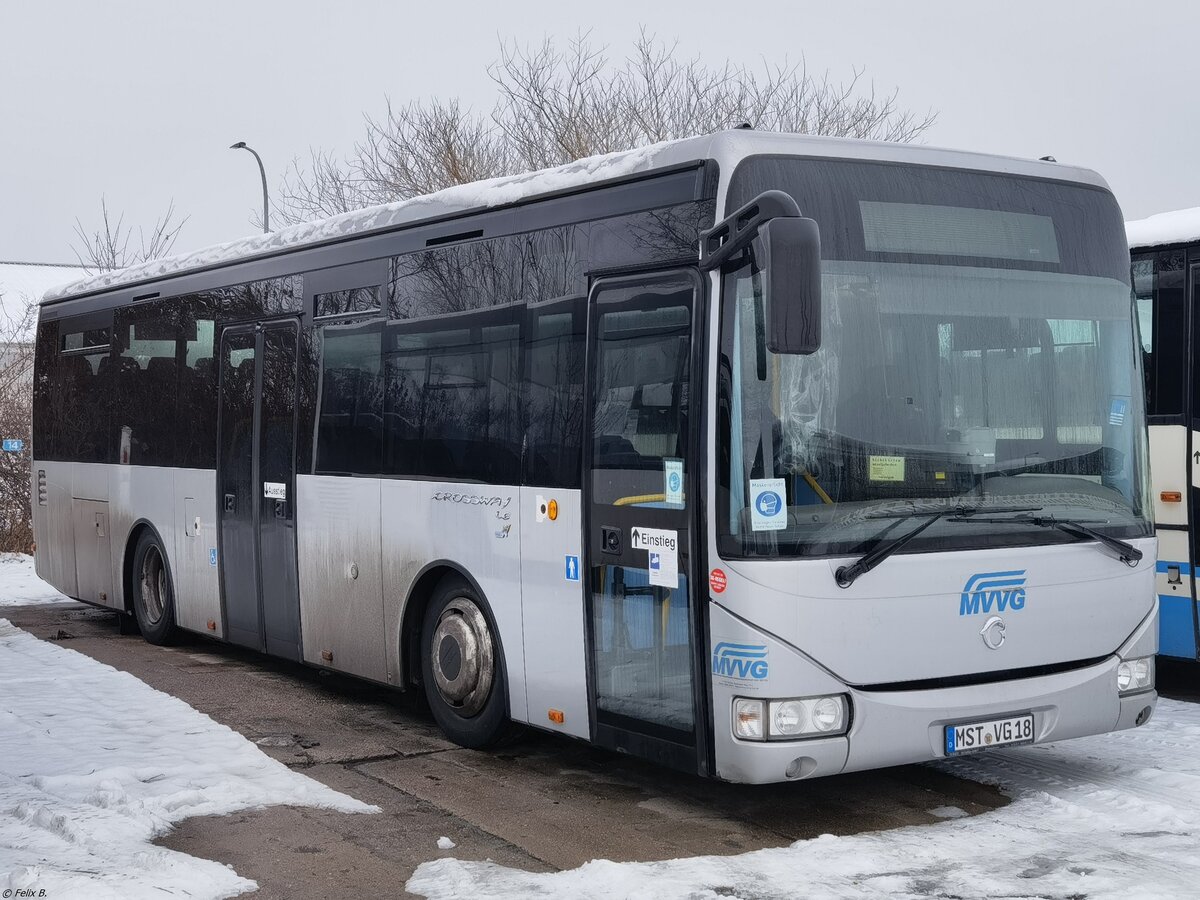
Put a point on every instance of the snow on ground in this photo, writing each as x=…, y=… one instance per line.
x=20, y=585
x=95, y=764
x=1113, y=816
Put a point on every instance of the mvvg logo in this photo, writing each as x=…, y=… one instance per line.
x=993, y=591
x=747, y=661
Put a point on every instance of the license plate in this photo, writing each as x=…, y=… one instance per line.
x=962, y=739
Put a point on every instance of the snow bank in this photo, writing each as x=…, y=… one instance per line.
x=493, y=192
x=1114, y=816
x=95, y=764
x=1176, y=227
x=19, y=584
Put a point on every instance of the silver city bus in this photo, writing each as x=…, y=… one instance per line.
x=765, y=457
x=1165, y=251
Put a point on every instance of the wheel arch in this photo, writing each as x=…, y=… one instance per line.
x=136, y=530
x=412, y=615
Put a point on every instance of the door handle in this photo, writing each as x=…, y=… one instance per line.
x=281, y=509
x=230, y=503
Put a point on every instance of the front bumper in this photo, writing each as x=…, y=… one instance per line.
x=891, y=728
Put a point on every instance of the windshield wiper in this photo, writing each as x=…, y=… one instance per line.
x=846, y=575
x=1126, y=552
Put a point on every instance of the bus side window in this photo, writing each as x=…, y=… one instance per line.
x=147, y=382
x=1160, y=288
x=452, y=362
x=197, y=437
x=350, y=423
x=553, y=399
x=80, y=386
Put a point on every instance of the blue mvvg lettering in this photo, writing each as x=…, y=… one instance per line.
x=745, y=661
x=987, y=592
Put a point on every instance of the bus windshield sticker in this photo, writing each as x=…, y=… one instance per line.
x=273, y=490
x=768, y=508
x=673, y=482
x=664, y=568
x=1116, y=412
x=886, y=468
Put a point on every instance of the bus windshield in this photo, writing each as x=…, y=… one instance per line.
x=975, y=350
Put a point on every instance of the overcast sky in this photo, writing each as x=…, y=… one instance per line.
x=140, y=101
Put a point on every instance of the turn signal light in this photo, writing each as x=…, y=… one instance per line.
x=552, y=510
x=556, y=716
x=1171, y=497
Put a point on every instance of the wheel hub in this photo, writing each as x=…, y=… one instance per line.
x=153, y=586
x=463, y=656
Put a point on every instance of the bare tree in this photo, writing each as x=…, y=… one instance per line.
x=17, y=321
x=557, y=105
x=108, y=247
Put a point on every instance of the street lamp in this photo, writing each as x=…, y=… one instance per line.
x=241, y=145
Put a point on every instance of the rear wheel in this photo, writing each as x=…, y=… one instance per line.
x=461, y=667
x=152, y=592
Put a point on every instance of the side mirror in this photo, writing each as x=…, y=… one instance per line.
x=790, y=249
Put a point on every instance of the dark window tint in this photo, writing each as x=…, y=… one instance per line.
x=458, y=278
x=641, y=394
x=350, y=425
x=196, y=440
x=93, y=338
x=880, y=211
x=451, y=398
x=146, y=372
x=340, y=303
x=278, y=413
x=1161, y=297
x=257, y=299
x=554, y=392
x=72, y=394
x=665, y=235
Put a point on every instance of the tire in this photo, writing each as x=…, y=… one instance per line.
x=152, y=592
x=462, y=669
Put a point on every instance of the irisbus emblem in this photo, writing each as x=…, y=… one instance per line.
x=988, y=592
x=746, y=661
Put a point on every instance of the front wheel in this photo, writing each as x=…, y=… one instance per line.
x=461, y=667
x=153, y=594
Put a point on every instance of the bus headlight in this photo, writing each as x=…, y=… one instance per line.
x=1134, y=675
x=781, y=720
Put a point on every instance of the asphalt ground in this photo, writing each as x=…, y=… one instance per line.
x=543, y=803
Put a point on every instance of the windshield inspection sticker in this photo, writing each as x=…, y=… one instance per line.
x=768, y=506
x=673, y=481
x=1117, y=410
x=886, y=468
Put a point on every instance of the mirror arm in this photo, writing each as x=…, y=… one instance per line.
x=735, y=232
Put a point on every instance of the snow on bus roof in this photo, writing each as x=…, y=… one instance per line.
x=479, y=194
x=728, y=147
x=1179, y=226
